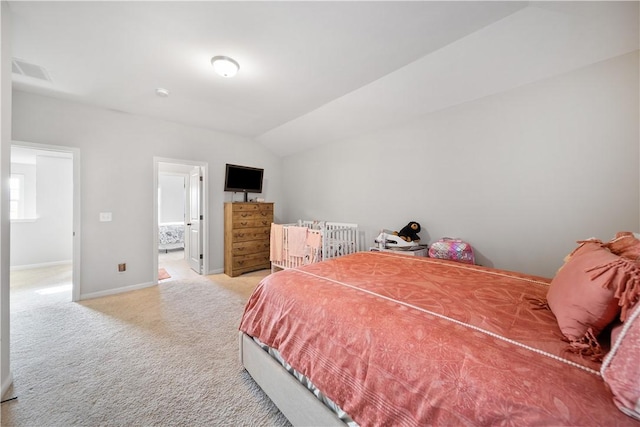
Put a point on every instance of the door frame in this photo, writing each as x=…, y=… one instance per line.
x=205, y=210
x=76, y=213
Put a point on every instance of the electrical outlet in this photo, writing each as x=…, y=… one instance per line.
x=122, y=267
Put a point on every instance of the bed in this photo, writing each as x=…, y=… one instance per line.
x=378, y=338
x=170, y=236
x=306, y=242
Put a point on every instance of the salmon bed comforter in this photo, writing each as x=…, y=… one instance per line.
x=400, y=340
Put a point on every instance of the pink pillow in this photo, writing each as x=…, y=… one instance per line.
x=626, y=245
x=621, y=368
x=615, y=331
x=580, y=247
x=582, y=295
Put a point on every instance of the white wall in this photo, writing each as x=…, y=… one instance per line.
x=172, y=198
x=117, y=152
x=48, y=238
x=5, y=157
x=521, y=175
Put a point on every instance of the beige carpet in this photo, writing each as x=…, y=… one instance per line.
x=161, y=356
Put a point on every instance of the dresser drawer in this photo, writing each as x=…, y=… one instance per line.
x=253, y=207
x=254, y=233
x=250, y=247
x=252, y=260
x=252, y=219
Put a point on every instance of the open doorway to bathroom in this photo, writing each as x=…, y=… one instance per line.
x=42, y=211
x=179, y=219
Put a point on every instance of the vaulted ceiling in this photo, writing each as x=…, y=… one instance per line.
x=310, y=72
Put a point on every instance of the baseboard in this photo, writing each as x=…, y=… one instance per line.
x=6, y=384
x=44, y=264
x=116, y=291
x=216, y=271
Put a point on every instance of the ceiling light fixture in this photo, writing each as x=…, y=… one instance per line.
x=162, y=92
x=225, y=66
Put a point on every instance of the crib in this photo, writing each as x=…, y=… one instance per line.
x=322, y=240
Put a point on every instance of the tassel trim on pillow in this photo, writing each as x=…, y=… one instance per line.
x=538, y=303
x=587, y=346
x=623, y=276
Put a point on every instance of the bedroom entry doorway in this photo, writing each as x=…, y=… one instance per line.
x=179, y=219
x=45, y=225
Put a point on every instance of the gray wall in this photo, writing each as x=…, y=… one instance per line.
x=117, y=152
x=521, y=175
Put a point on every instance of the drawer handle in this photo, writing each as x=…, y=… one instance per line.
x=244, y=223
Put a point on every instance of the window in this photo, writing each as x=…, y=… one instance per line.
x=16, y=197
x=22, y=193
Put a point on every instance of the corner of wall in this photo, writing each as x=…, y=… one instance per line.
x=5, y=142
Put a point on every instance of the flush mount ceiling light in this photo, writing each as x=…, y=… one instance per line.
x=225, y=66
x=162, y=92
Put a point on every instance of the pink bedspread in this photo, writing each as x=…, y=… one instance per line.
x=398, y=340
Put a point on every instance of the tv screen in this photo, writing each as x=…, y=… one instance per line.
x=243, y=178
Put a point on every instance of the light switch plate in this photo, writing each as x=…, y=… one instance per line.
x=105, y=216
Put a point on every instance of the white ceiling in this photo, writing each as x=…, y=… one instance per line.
x=311, y=72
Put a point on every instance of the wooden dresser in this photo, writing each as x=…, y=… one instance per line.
x=247, y=228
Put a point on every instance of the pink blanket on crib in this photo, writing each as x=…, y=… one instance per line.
x=314, y=239
x=276, y=243
x=297, y=240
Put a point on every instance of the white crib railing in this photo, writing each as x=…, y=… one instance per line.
x=336, y=239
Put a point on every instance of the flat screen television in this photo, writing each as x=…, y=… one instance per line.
x=243, y=179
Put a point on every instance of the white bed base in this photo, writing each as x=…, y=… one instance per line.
x=294, y=400
x=337, y=239
x=170, y=236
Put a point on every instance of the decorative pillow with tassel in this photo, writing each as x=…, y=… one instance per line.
x=626, y=245
x=591, y=290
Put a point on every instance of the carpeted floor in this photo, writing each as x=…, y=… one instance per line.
x=160, y=356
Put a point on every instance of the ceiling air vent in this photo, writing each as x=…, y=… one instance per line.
x=23, y=68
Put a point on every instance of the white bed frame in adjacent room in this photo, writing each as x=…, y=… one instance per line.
x=170, y=236
x=295, y=401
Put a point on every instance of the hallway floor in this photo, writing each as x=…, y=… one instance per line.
x=37, y=287
x=42, y=286
x=176, y=265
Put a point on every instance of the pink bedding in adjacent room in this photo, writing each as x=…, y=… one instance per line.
x=399, y=340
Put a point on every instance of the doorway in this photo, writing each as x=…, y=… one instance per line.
x=179, y=219
x=44, y=210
